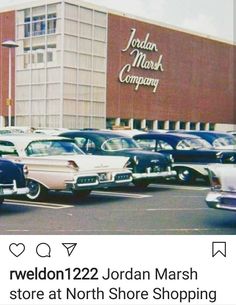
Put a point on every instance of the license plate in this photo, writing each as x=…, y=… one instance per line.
x=103, y=176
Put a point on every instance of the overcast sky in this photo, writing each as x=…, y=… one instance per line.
x=210, y=17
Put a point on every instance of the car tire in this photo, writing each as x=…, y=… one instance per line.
x=36, y=190
x=141, y=184
x=185, y=175
x=81, y=194
x=1, y=200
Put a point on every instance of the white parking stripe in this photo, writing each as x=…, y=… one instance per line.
x=176, y=209
x=43, y=205
x=118, y=194
x=182, y=187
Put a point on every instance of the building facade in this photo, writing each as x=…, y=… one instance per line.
x=83, y=66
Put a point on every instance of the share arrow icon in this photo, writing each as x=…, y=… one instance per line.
x=70, y=247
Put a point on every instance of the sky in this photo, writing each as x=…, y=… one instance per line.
x=208, y=17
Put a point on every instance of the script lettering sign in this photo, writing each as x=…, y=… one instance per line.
x=139, y=52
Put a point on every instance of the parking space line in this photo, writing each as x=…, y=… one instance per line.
x=43, y=205
x=183, y=187
x=118, y=194
x=177, y=209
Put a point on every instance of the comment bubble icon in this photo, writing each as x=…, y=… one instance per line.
x=43, y=250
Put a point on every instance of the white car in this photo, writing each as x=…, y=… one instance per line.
x=223, y=187
x=56, y=163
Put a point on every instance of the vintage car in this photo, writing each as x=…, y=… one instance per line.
x=219, y=140
x=56, y=163
x=223, y=187
x=12, y=179
x=191, y=154
x=146, y=166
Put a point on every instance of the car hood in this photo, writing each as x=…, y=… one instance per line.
x=92, y=162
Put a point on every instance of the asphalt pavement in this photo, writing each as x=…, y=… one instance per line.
x=161, y=209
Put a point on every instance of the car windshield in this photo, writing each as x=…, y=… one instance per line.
x=52, y=148
x=224, y=141
x=117, y=144
x=188, y=144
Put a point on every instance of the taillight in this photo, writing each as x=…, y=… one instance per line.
x=215, y=183
x=72, y=164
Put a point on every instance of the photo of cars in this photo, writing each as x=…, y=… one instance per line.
x=191, y=154
x=115, y=117
x=223, y=187
x=58, y=164
x=146, y=166
x=12, y=179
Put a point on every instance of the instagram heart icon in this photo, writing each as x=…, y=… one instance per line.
x=17, y=249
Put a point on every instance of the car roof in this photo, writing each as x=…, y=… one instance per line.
x=178, y=136
x=103, y=133
x=22, y=140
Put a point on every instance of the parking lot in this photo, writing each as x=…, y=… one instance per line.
x=161, y=209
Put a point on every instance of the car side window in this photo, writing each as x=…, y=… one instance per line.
x=163, y=145
x=148, y=144
x=80, y=141
x=87, y=145
x=7, y=148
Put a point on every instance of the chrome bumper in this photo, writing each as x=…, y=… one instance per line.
x=12, y=189
x=221, y=200
x=166, y=174
x=100, y=180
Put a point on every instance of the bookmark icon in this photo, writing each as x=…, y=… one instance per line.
x=70, y=247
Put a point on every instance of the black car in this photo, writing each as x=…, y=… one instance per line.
x=218, y=140
x=191, y=153
x=12, y=179
x=146, y=166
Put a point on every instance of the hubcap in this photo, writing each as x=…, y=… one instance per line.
x=34, y=189
x=184, y=175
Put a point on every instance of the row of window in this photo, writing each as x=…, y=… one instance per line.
x=162, y=125
x=39, y=55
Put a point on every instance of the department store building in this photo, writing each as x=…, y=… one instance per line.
x=78, y=65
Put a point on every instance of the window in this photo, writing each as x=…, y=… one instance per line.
x=182, y=125
x=212, y=126
x=202, y=126
x=137, y=124
x=161, y=125
x=172, y=125
x=149, y=124
x=51, y=54
x=7, y=148
x=51, y=23
x=52, y=147
x=162, y=145
x=110, y=122
x=38, y=25
x=148, y=144
x=87, y=145
x=124, y=122
x=118, y=144
x=192, y=126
